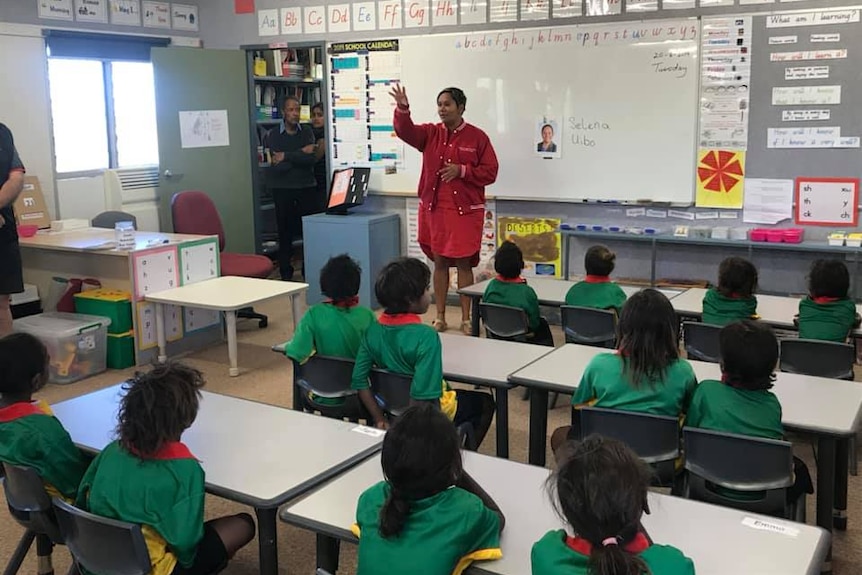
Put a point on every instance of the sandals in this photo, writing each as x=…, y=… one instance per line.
x=467, y=327
x=439, y=325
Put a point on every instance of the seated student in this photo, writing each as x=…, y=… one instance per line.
x=600, y=489
x=428, y=517
x=827, y=313
x=400, y=342
x=509, y=288
x=733, y=299
x=741, y=402
x=30, y=435
x=597, y=290
x=150, y=478
x=334, y=327
x=645, y=373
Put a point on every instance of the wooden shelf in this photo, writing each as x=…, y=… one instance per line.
x=291, y=81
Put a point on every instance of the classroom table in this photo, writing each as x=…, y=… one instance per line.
x=487, y=363
x=550, y=291
x=519, y=490
x=255, y=454
x=830, y=409
x=777, y=311
x=227, y=294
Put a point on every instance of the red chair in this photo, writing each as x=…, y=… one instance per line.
x=195, y=213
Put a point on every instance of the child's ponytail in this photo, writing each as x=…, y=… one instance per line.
x=610, y=558
x=393, y=514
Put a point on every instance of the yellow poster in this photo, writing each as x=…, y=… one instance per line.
x=539, y=240
x=720, y=178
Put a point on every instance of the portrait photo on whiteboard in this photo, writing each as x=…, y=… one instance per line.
x=547, y=138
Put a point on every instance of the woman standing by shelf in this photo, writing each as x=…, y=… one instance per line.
x=318, y=123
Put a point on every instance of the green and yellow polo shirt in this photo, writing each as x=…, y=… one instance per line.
x=403, y=344
x=826, y=318
x=30, y=436
x=604, y=384
x=719, y=309
x=163, y=493
x=558, y=554
x=597, y=292
x=514, y=292
x=721, y=407
x=443, y=534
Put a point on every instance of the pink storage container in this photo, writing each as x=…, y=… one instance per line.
x=758, y=235
x=793, y=235
x=775, y=236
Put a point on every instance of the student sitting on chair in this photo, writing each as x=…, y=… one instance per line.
x=597, y=290
x=733, y=299
x=401, y=343
x=510, y=289
x=741, y=402
x=600, y=489
x=645, y=373
x=335, y=327
x=428, y=517
x=30, y=435
x=150, y=478
x=827, y=313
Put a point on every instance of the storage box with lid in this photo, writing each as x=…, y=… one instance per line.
x=121, y=350
x=77, y=343
x=113, y=304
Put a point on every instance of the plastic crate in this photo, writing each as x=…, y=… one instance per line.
x=113, y=304
x=121, y=350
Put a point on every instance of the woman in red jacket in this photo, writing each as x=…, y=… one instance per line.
x=458, y=161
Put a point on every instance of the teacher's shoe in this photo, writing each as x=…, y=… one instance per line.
x=467, y=327
x=439, y=325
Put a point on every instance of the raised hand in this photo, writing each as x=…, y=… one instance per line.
x=399, y=94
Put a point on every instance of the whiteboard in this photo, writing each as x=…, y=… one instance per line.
x=623, y=97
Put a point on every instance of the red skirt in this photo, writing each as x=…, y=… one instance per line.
x=445, y=232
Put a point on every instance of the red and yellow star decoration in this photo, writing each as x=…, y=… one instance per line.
x=720, y=178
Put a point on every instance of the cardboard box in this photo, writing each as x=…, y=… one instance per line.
x=30, y=207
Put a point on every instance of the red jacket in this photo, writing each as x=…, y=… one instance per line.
x=468, y=146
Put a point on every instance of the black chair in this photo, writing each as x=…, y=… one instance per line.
x=701, y=341
x=760, y=470
x=654, y=438
x=108, y=220
x=589, y=326
x=329, y=378
x=101, y=545
x=818, y=358
x=504, y=322
x=31, y=507
x=392, y=392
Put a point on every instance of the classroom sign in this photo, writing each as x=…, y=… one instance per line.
x=720, y=178
x=539, y=240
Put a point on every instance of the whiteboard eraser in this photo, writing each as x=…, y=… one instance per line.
x=70, y=224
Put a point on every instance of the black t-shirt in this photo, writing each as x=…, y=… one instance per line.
x=9, y=161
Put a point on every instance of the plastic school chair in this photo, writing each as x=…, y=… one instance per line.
x=328, y=378
x=194, y=212
x=102, y=545
x=392, y=392
x=589, y=326
x=31, y=507
x=742, y=472
x=654, y=438
x=701, y=341
x=504, y=322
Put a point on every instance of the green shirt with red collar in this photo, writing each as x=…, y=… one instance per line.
x=826, y=318
x=515, y=292
x=163, y=493
x=30, y=436
x=721, y=407
x=558, y=554
x=597, y=292
x=719, y=309
x=403, y=344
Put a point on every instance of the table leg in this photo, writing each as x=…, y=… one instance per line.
x=566, y=249
x=839, y=507
x=297, y=304
x=328, y=551
x=266, y=537
x=503, y=422
x=825, y=490
x=230, y=320
x=474, y=316
x=160, y=333
x=539, y=426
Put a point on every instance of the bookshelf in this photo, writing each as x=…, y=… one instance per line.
x=273, y=73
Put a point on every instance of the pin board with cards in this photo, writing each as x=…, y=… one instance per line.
x=199, y=260
x=154, y=270
x=827, y=201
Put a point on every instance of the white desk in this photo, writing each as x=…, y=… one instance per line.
x=550, y=291
x=250, y=451
x=227, y=294
x=519, y=491
x=831, y=409
x=777, y=311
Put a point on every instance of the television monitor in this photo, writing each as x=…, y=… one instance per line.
x=349, y=188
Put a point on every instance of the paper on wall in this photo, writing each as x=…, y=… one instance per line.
x=808, y=55
x=635, y=212
x=804, y=115
x=706, y=215
x=728, y=215
x=680, y=215
x=204, y=129
x=822, y=38
x=806, y=72
x=819, y=18
x=806, y=95
x=656, y=213
x=780, y=40
x=767, y=201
